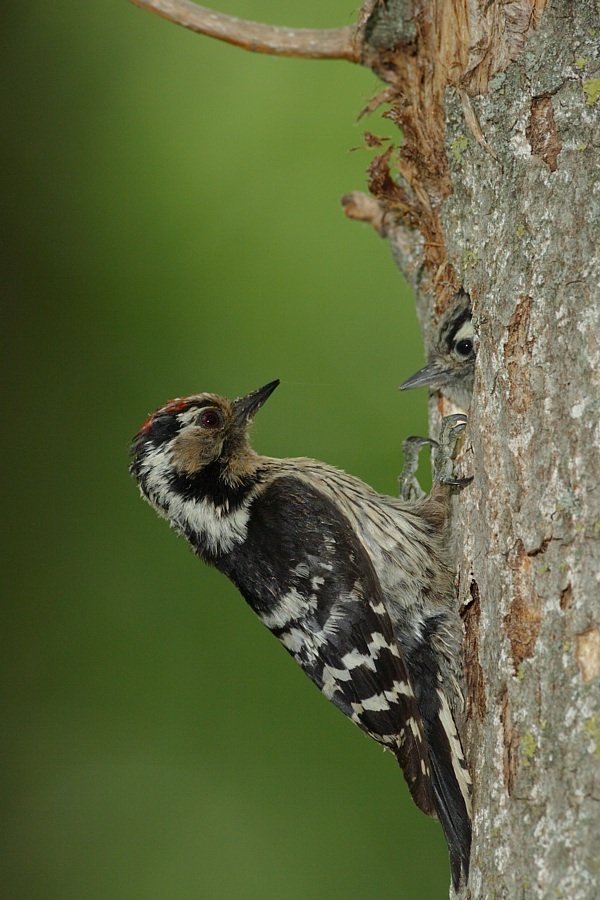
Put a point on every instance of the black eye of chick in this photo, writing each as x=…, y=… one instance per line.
x=464, y=347
x=210, y=418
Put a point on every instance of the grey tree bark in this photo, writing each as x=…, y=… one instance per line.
x=496, y=188
x=515, y=219
x=526, y=231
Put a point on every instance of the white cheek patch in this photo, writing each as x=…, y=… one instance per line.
x=155, y=470
x=218, y=528
x=465, y=332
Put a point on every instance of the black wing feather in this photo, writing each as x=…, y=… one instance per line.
x=308, y=577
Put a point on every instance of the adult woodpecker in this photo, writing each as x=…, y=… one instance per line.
x=355, y=584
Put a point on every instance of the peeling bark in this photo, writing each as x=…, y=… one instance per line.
x=476, y=704
x=587, y=653
x=524, y=618
x=542, y=133
x=422, y=51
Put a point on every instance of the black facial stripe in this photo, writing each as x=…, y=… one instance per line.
x=164, y=427
x=208, y=484
x=458, y=324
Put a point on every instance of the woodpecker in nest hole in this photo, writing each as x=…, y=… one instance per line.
x=451, y=360
x=355, y=584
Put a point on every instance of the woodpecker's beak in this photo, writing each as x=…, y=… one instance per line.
x=245, y=407
x=432, y=375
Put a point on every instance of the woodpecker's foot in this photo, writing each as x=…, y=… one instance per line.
x=409, y=488
x=450, y=437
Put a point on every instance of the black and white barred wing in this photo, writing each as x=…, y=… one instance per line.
x=308, y=577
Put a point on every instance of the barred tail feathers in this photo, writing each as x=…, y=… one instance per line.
x=452, y=789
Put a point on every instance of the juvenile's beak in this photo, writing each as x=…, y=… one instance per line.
x=432, y=375
x=245, y=407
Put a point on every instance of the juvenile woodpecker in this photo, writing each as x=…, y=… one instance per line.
x=451, y=360
x=355, y=584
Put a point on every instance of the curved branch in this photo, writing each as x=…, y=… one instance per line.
x=333, y=43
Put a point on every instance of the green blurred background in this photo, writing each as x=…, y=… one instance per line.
x=172, y=225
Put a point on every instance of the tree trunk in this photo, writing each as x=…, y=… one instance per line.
x=500, y=190
x=495, y=189
x=526, y=231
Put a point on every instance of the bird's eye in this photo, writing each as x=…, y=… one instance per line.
x=210, y=418
x=464, y=348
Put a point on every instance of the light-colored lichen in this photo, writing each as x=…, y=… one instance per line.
x=529, y=748
x=458, y=146
x=591, y=88
x=591, y=730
